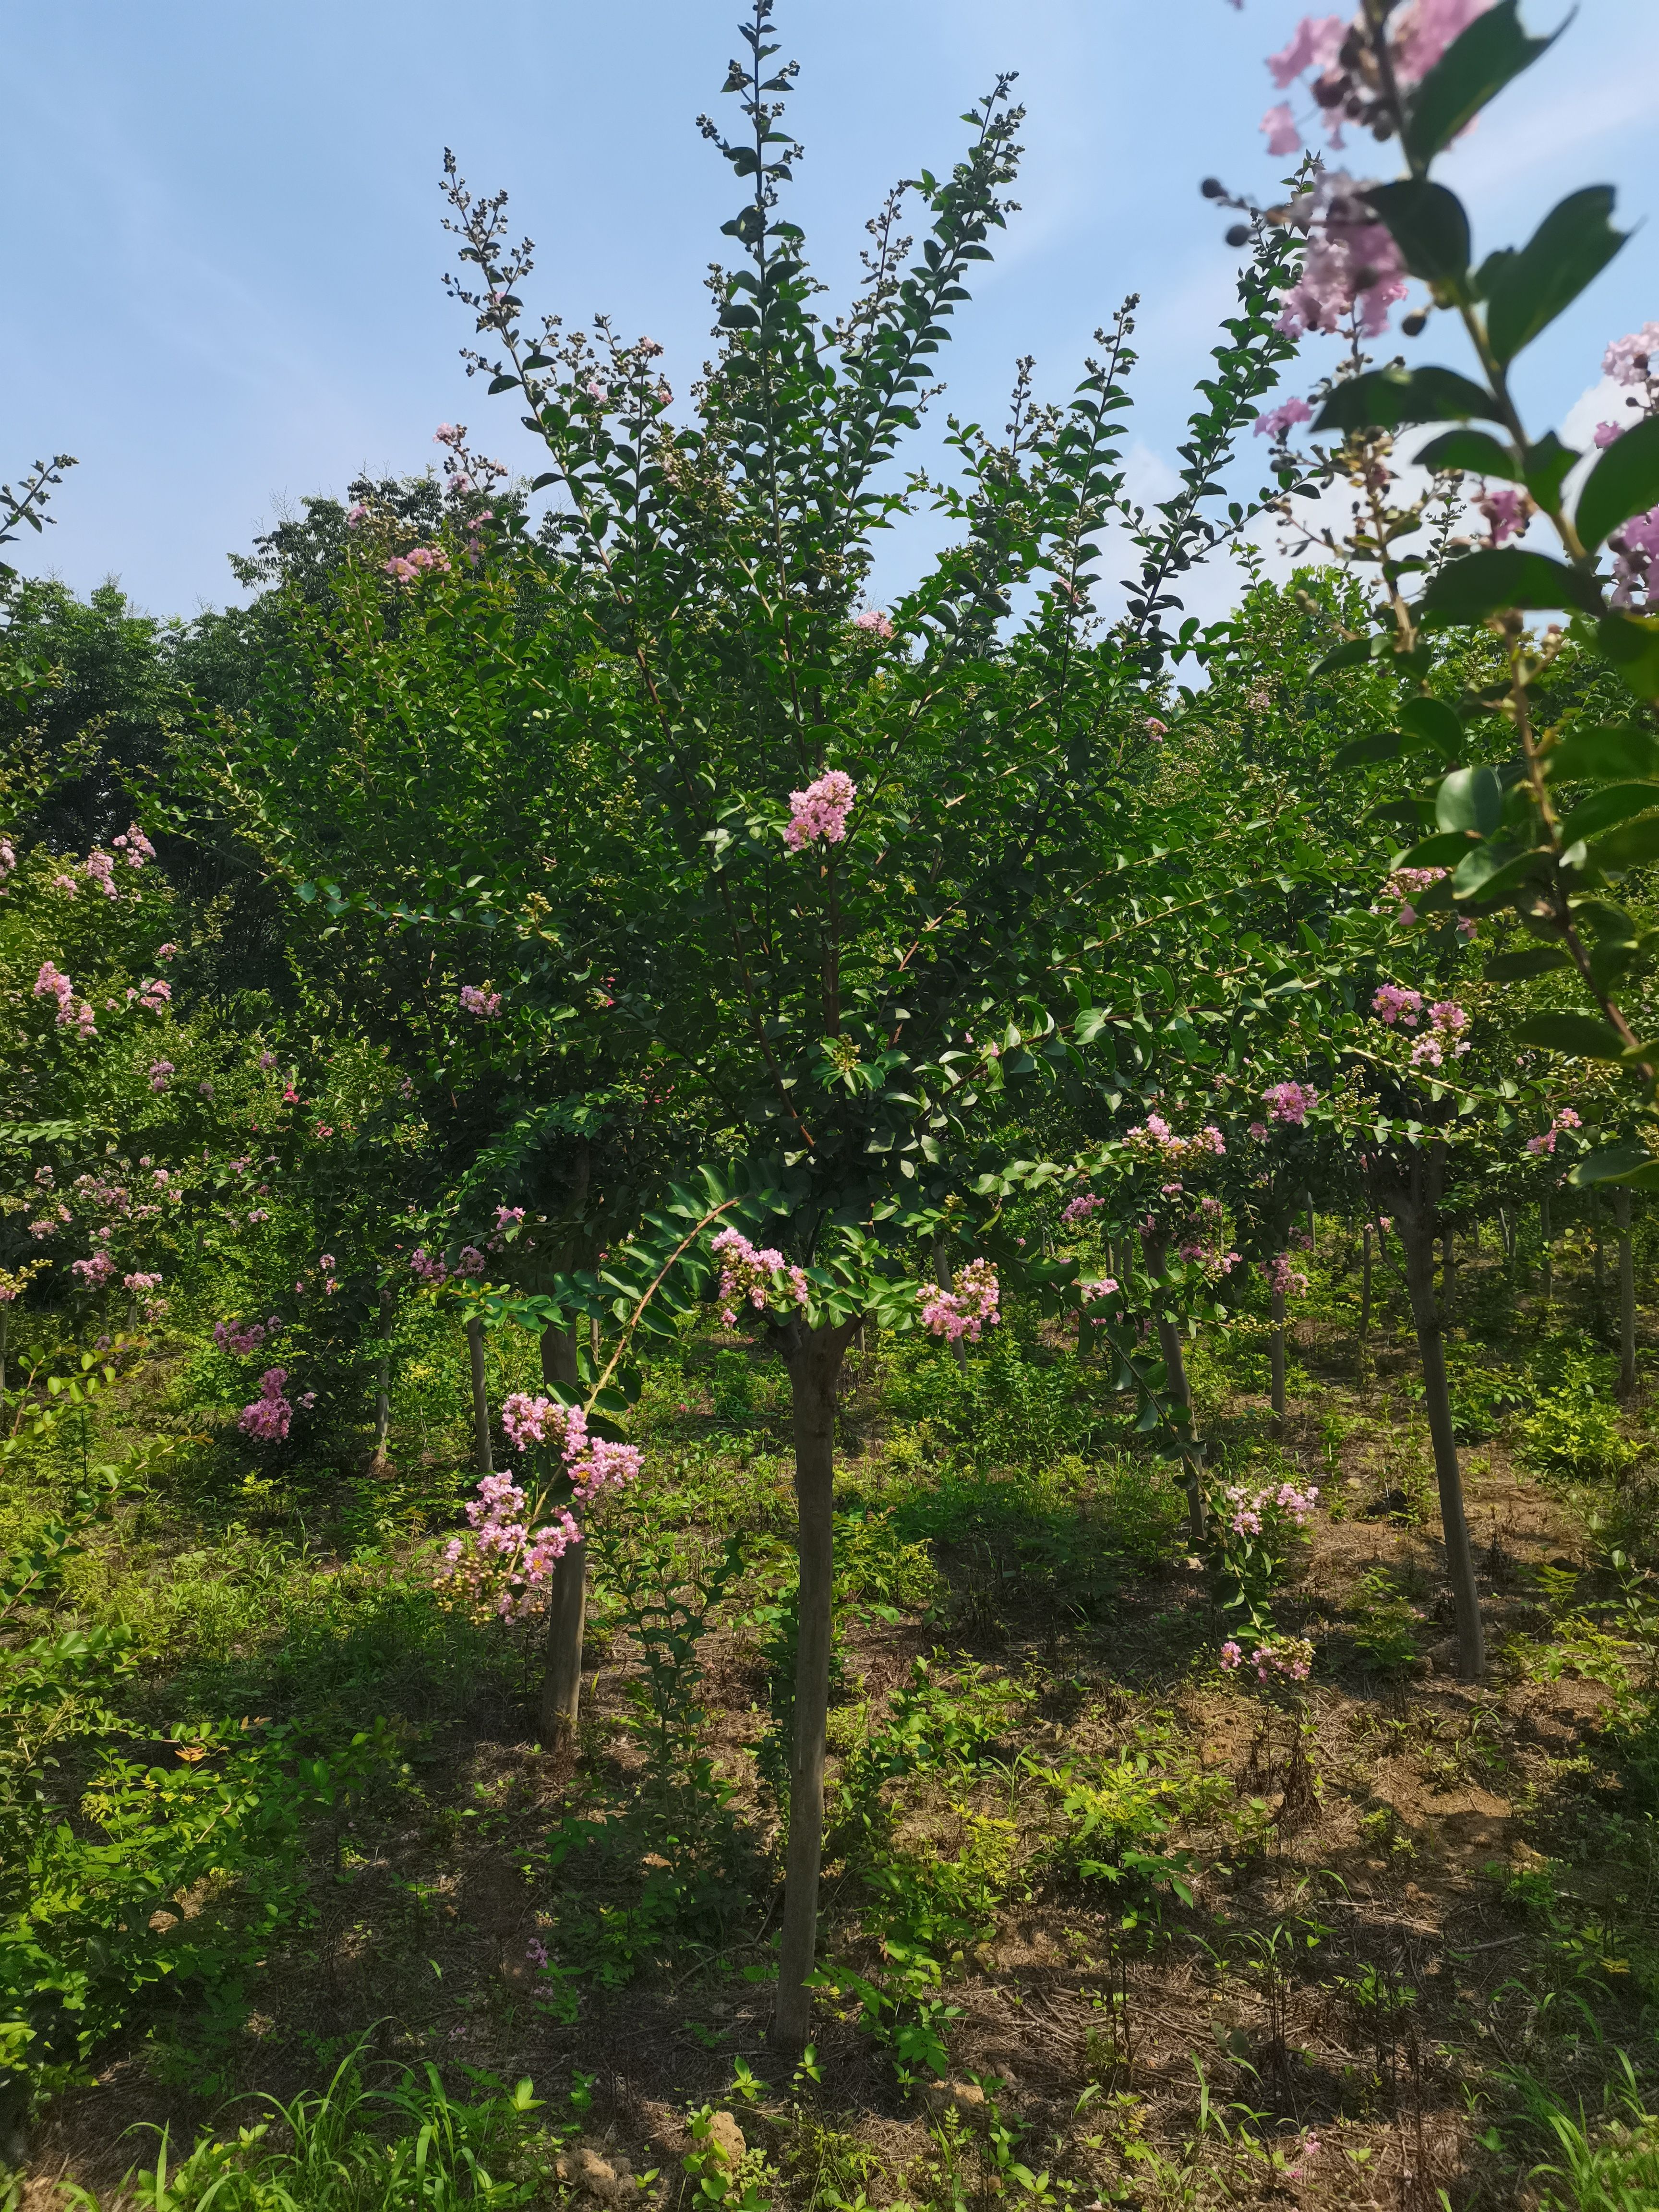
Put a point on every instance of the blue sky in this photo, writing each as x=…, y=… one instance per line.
x=224, y=253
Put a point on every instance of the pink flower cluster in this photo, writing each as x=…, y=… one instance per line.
x=1345, y=78
x=1278, y=421
x=405, y=567
x=1105, y=1287
x=508, y=1217
x=1508, y=510
x=1448, y=1023
x=594, y=1464
x=1289, y=1658
x=53, y=983
x=162, y=1073
x=1543, y=1145
x=1634, y=361
x=1289, y=1102
x=1394, y=1003
x=969, y=1306
x=1635, y=548
x=8, y=858
x=268, y=1417
x=1407, y=883
x=1081, y=1209
x=243, y=1337
x=134, y=847
x=752, y=1274
x=100, y=867
x=1154, y=1139
x=502, y=1548
x=95, y=1271
x=1351, y=266
x=873, y=620
x=142, y=1283
x=1283, y=1281
x=1243, y=1508
x=485, y=1004
x=820, y=811
x=428, y=1267
x=156, y=996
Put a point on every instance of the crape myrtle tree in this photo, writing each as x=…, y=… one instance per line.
x=1545, y=805
x=865, y=846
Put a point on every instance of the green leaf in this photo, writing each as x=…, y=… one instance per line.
x=1615, y=802
x=1389, y=399
x=1432, y=722
x=1547, y=464
x=1526, y=291
x=1470, y=798
x=1440, y=851
x=1630, y=642
x=1604, y=755
x=1631, y=845
x=1482, y=583
x=1355, y=653
x=1611, y=1162
x=1386, y=745
x=1428, y=224
x=1486, y=875
x=1580, y=1036
x=1478, y=451
x=1623, y=482
x=1520, y=967
x=1474, y=69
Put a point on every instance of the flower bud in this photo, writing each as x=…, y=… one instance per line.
x=1213, y=189
x=1239, y=234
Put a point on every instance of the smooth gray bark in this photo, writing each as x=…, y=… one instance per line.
x=475, y=1356
x=566, y=1586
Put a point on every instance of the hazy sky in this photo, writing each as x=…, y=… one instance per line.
x=223, y=248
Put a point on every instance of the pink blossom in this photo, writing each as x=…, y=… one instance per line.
x=66, y=883
x=1278, y=420
x=1352, y=262
x=1393, y=1003
x=140, y=1282
x=268, y=1417
x=94, y=1271
x=240, y=1337
x=1282, y=136
x=751, y=1274
x=1315, y=44
x=1635, y=548
x=100, y=867
x=430, y=1267
x=449, y=434
x=1080, y=1208
x=508, y=1217
x=1289, y=1102
x=1258, y=1132
x=167, y=951
x=1423, y=29
x=1283, y=1281
x=7, y=857
x=967, y=1306
x=162, y=1073
x=134, y=847
x=355, y=514
x=156, y=995
x=820, y=811
x=1106, y=1287
x=1407, y=883
x=471, y=1262
x=52, y=983
x=1508, y=511
x=487, y=1004
x=1230, y=1654
x=1154, y=1139
x=1157, y=731
x=1627, y=359
x=873, y=620
x=1606, y=432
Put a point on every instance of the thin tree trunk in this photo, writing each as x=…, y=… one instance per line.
x=1414, y=1218
x=1175, y=1367
x=1448, y=1279
x=5, y=1315
x=1626, y=1295
x=1276, y=1357
x=1600, y=1256
x=814, y=1358
x=475, y=1353
x=942, y=1278
x=1544, y=1240
x=1365, y=1289
x=1506, y=1231
x=383, y=1381
x=566, y=1586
